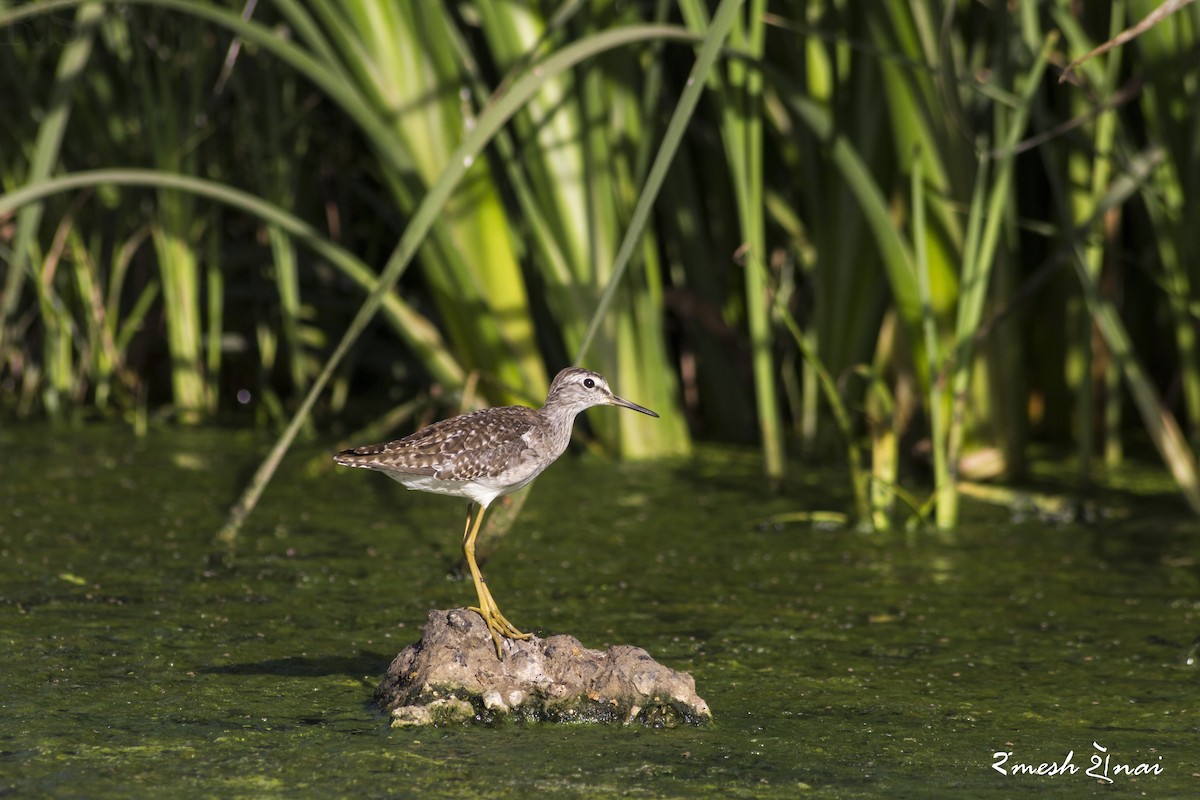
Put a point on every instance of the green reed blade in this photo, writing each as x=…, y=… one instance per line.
x=75, y=56
x=416, y=331
x=486, y=126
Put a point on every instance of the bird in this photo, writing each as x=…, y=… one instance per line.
x=487, y=454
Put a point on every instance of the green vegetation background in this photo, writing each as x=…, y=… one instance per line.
x=900, y=234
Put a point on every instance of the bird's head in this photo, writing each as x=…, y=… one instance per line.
x=577, y=389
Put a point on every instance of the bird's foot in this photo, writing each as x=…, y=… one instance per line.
x=498, y=626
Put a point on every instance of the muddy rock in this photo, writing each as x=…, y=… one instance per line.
x=452, y=676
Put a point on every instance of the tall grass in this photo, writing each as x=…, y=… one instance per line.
x=1167, y=53
x=850, y=222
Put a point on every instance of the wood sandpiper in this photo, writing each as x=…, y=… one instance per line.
x=487, y=454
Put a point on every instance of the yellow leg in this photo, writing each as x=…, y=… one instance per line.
x=498, y=626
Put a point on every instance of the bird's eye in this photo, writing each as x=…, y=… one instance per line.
x=588, y=383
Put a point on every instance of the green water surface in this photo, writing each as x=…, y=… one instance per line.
x=141, y=660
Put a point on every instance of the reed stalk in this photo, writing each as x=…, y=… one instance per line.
x=57, y=359
x=1167, y=54
x=1088, y=173
x=739, y=89
x=938, y=410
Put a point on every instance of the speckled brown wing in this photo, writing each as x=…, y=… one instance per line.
x=480, y=444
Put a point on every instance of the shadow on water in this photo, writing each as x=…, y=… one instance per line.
x=363, y=663
x=996, y=661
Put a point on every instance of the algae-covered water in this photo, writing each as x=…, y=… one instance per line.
x=140, y=659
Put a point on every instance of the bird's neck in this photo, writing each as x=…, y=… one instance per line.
x=560, y=416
